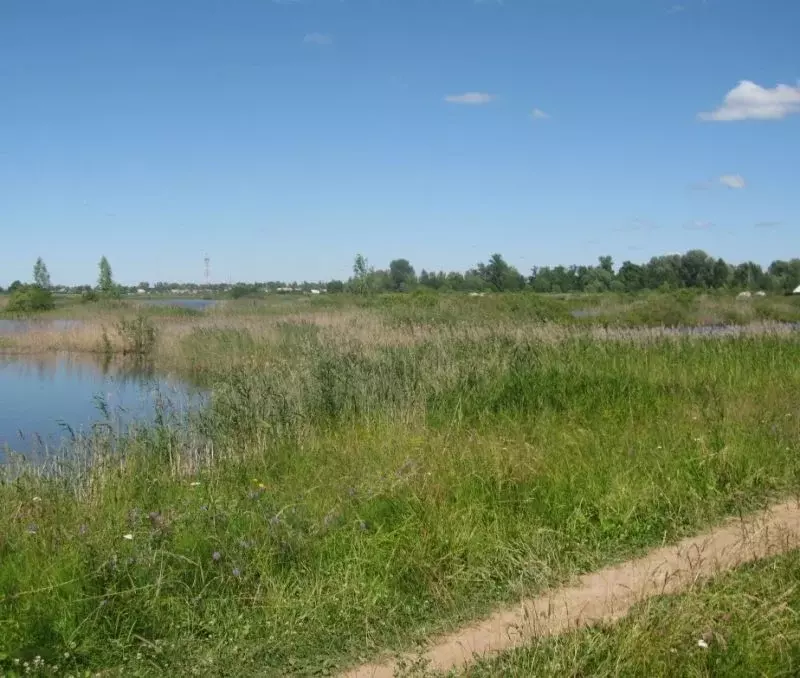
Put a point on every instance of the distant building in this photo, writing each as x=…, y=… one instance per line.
x=141, y=291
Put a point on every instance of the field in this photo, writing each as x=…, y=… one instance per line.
x=371, y=473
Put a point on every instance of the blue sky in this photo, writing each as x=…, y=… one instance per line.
x=283, y=137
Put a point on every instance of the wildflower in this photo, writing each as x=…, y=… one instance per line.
x=83, y=530
x=33, y=528
x=128, y=536
x=204, y=507
x=237, y=572
x=195, y=484
x=363, y=525
x=275, y=520
x=36, y=500
x=216, y=556
x=702, y=643
x=351, y=492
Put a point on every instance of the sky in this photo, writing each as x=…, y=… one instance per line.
x=281, y=137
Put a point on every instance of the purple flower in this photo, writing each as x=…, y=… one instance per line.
x=216, y=556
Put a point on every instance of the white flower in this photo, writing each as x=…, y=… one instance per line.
x=194, y=484
x=128, y=536
x=702, y=643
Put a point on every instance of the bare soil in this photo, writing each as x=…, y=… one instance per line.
x=608, y=595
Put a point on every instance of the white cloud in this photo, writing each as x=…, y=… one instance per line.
x=749, y=101
x=539, y=114
x=317, y=39
x=470, y=98
x=733, y=180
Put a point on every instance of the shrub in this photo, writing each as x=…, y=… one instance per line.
x=30, y=298
x=138, y=335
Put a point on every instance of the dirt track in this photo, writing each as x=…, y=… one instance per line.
x=608, y=595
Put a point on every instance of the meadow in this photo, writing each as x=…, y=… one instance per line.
x=370, y=472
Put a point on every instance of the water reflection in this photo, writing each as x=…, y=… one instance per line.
x=17, y=326
x=47, y=399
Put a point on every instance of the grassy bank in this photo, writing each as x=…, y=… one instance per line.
x=118, y=327
x=742, y=624
x=366, y=477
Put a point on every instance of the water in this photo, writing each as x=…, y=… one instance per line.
x=193, y=304
x=41, y=396
x=15, y=326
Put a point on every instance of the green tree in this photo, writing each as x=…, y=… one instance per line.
x=361, y=274
x=500, y=275
x=30, y=298
x=402, y=274
x=105, y=280
x=41, y=276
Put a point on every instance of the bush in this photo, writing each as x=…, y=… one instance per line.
x=30, y=298
x=138, y=335
x=89, y=296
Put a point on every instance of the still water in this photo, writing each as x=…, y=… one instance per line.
x=43, y=397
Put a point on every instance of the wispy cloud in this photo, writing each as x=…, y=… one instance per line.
x=470, y=98
x=539, y=114
x=676, y=9
x=767, y=224
x=318, y=39
x=749, y=101
x=733, y=181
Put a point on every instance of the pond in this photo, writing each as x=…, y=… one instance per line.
x=193, y=304
x=15, y=325
x=45, y=399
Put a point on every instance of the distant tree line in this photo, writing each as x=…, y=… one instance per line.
x=693, y=270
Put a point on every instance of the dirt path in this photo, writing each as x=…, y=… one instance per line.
x=608, y=595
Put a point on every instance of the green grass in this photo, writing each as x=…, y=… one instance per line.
x=363, y=492
x=746, y=617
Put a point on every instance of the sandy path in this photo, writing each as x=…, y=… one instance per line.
x=608, y=595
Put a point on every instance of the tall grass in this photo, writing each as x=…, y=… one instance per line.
x=362, y=479
x=740, y=625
